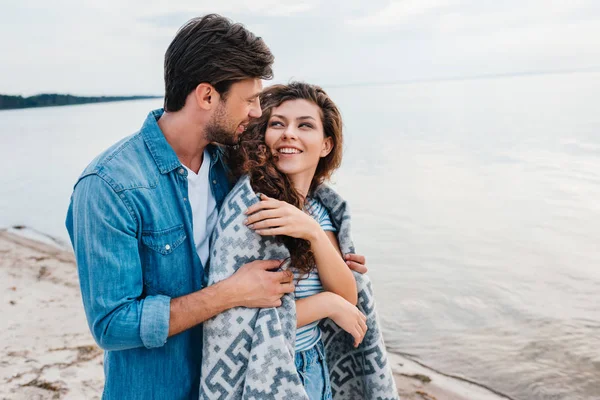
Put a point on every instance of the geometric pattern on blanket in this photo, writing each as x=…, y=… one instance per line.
x=248, y=353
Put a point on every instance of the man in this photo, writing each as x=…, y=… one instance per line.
x=142, y=212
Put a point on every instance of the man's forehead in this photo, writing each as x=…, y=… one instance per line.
x=257, y=87
x=249, y=87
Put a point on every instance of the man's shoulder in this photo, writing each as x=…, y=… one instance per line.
x=126, y=164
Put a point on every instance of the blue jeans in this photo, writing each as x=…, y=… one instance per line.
x=312, y=368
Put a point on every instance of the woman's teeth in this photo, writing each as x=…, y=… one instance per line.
x=289, y=150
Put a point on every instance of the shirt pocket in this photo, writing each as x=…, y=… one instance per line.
x=165, y=260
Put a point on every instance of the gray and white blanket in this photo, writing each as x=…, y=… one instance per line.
x=248, y=353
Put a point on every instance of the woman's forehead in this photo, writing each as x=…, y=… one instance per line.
x=293, y=109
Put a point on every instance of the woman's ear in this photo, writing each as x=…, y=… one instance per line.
x=327, y=147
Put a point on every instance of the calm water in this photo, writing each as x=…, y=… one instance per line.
x=476, y=202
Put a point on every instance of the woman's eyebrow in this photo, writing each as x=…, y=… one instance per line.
x=279, y=116
x=299, y=118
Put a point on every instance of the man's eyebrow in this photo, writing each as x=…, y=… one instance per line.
x=255, y=95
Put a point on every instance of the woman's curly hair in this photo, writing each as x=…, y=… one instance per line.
x=254, y=158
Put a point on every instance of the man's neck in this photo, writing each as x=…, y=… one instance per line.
x=185, y=136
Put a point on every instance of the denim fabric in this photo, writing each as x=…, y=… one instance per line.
x=130, y=224
x=312, y=368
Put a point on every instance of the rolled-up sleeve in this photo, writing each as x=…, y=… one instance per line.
x=154, y=327
x=103, y=231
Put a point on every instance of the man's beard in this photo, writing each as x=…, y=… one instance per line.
x=218, y=131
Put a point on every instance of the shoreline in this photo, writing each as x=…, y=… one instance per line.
x=48, y=351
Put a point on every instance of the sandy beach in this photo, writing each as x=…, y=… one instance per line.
x=48, y=352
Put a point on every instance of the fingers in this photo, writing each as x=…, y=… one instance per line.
x=361, y=329
x=271, y=231
x=287, y=288
x=358, y=336
x=356, y=262
x=354, y=266
x=261, y=205
x=283, y=277
x=276, y=303
x=267, y=223
x=360, y=259
x=263, y=215
x=267, y=264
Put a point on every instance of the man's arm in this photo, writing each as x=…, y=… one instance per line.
x=103, y=233
x=253, y=285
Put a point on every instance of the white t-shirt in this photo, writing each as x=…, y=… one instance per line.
x=204, y=207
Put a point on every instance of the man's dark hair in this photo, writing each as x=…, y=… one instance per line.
x=214, y=50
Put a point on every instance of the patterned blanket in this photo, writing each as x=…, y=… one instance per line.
x=248, y=353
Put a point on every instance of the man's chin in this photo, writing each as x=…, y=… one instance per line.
x=226, y=140
x=234, y=141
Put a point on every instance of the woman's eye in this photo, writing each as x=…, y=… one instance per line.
x=306, y=125
x=275, y=123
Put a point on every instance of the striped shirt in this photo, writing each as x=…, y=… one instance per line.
x=308, y=335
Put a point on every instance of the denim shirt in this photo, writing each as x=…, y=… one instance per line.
x=130, y=224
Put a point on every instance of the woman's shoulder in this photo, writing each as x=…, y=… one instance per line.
x=319, y=212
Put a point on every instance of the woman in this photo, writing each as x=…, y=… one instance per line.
x=288, y=153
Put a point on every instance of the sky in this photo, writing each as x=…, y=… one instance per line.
x=116, y=47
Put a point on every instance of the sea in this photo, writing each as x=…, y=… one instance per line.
x=476, y=202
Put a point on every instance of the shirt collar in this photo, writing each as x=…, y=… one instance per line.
x=164, y=156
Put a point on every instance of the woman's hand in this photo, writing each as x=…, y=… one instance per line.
x=275, y=217
x=349, y=318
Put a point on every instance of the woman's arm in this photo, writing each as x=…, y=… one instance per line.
x=275, y=217
x=330, y=305
x=335, y=275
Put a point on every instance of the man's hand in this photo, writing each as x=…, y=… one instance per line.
x=256, y=286
x=356, y=262
x=253, y=285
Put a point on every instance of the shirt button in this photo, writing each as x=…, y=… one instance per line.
x=185, y=199
x=214, y=182
x=181, y=171
x=167, y=247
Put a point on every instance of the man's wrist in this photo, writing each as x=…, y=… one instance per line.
x=228, y=293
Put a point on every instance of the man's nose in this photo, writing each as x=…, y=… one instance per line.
x=255, y=111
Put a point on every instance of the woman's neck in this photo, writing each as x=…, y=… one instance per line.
x=302, y=183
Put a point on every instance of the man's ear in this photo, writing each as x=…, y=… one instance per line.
x=327, y=147
x=206, y=96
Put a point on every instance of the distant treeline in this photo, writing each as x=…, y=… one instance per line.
x=49, y=100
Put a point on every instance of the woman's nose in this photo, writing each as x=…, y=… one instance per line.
x=289, y=133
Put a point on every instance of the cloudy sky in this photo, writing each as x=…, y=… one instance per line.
x=117, y=47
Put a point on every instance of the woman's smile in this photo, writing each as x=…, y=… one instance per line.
x=295, y=136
